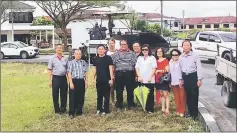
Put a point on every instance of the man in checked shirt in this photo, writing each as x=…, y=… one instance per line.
x=78, y=81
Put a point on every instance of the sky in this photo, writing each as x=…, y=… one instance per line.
x=175, y=8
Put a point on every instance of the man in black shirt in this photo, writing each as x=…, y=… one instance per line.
x=103, y=74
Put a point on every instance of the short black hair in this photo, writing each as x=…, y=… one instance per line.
x=149, y=50
x=59, y=44
x=101, y=45
x=123, y=40
x=137, y=43
x=186, y=40
x=163, y=52
x=176, y=50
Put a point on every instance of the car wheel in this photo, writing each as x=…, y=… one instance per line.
x=24, y=55
x=229, y=98
x=227, y=56
x=1, y=55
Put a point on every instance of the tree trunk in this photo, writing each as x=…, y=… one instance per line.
x=65, y=38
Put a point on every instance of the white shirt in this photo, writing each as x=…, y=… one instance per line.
x=145, y=67
x=110, y=53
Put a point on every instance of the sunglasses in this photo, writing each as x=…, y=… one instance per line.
x=144, y=49
x=175, y=55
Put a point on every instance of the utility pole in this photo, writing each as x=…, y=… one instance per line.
x=161, y=25
x=12, y=21
x=183, y=19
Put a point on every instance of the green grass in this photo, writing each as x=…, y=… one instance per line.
x=27, y=106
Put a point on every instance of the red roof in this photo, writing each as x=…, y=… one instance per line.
x=209, y=20
x=151, y=16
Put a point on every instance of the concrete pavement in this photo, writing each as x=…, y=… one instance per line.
x=210, y=94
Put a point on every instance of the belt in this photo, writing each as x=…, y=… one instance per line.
x=59, y=76
x=187, y=74
x=124, y=71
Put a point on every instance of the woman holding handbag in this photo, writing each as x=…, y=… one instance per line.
x=145, y=69
x=162, y=85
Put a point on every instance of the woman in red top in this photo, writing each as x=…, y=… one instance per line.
x=162, y=88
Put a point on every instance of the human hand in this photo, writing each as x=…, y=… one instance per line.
x=140, y=79
x=199, y=83
x=71, y=86
x=50, y=84
x=180, y=83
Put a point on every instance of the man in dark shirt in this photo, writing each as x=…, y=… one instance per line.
x=103, y=74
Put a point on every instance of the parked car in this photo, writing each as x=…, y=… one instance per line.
x=205, y=44
x=18, y=49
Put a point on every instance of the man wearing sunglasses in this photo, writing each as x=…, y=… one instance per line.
x=124, y=61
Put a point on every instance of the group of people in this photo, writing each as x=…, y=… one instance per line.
x=114, y=70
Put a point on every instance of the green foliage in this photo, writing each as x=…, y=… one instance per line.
x=42, y=21
x=224, y=29
x=154, y=28
x=140, y=25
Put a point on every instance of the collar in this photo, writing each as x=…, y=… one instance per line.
x=190, y=53
x=56, y=56
x=77, y=60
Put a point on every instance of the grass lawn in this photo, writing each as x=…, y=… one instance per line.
x=27, y=106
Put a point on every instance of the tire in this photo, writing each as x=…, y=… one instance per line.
x=227, y=56
x=24, y=55
x=1, y=55
x=229, y=98
x=219, y=79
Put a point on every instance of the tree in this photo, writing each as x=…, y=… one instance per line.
x=63, y=12
x=42, y=21
x=154, y=28
x=140, y=25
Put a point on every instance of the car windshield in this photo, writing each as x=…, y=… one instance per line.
x=228, y=37
x=21, y=44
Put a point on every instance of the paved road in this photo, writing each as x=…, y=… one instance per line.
x=209, y=94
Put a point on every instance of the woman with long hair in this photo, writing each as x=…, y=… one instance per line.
x=162, y=87
x=145, y=68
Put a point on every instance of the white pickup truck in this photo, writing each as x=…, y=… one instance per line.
x=205, y=44
x=226, y=76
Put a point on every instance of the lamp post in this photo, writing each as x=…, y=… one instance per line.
x=161, y=25
x=183, y=19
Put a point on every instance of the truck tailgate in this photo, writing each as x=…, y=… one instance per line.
x=226, y=68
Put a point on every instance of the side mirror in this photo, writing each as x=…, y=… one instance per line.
x=218, y=41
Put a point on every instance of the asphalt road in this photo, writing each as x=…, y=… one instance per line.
x=210, y=94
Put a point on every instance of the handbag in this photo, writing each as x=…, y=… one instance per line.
x=165, y=78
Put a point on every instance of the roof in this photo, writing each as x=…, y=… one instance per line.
x=209, y=20
x=151, y=16
x=7, y=27
x=17, y=5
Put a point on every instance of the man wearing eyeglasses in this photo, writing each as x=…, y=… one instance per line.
x=124, y=61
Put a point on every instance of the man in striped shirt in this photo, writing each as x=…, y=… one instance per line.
x=124, y=62
x=78, y=81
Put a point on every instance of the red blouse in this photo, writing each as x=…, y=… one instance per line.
x=161, y=66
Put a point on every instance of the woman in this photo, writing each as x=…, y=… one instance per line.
x=163, y=88
x=176, y=83
x=145, y=69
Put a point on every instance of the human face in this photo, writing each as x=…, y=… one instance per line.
x=145, y=51
x=159, y=53
x=111, y=45
x=186, y=47
x=175, y=55
x=101, y=50
x=77, y=54
x=124, y=45
x=136, y=48
x=59, y=49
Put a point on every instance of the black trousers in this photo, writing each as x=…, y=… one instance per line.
x=124, y=79
x=77, y=96
x=192, y=92
x=59, y=83
x=103, y=96
x=150, y=98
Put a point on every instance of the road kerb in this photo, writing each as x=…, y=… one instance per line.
x=208, y=120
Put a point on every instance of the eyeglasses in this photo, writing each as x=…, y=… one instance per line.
x=175, y=55
x=144, y=49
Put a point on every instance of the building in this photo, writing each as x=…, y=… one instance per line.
x=208, y=23
x=18, y=26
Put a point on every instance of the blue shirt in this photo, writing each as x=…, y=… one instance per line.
x=77, y=68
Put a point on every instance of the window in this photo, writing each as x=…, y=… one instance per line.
x=21, y=17
x=176, y=24
x=199, y=26
x=13, y=46
x=182, y=27
x=208, y=26
x=191, y=26
x=228, y=37
x=5, y=45
x=235, y=25
x=203, y=37
x=216, y=25
x=213, y=38
x=226, y=25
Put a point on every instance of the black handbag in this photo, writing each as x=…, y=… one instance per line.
x=165, y=78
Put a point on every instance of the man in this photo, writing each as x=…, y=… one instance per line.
x=57, y=69
x=103, y=75
x=110, y=52
x=192, y=77
x=124, y=62
x=78, y=81
x=136, y=48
